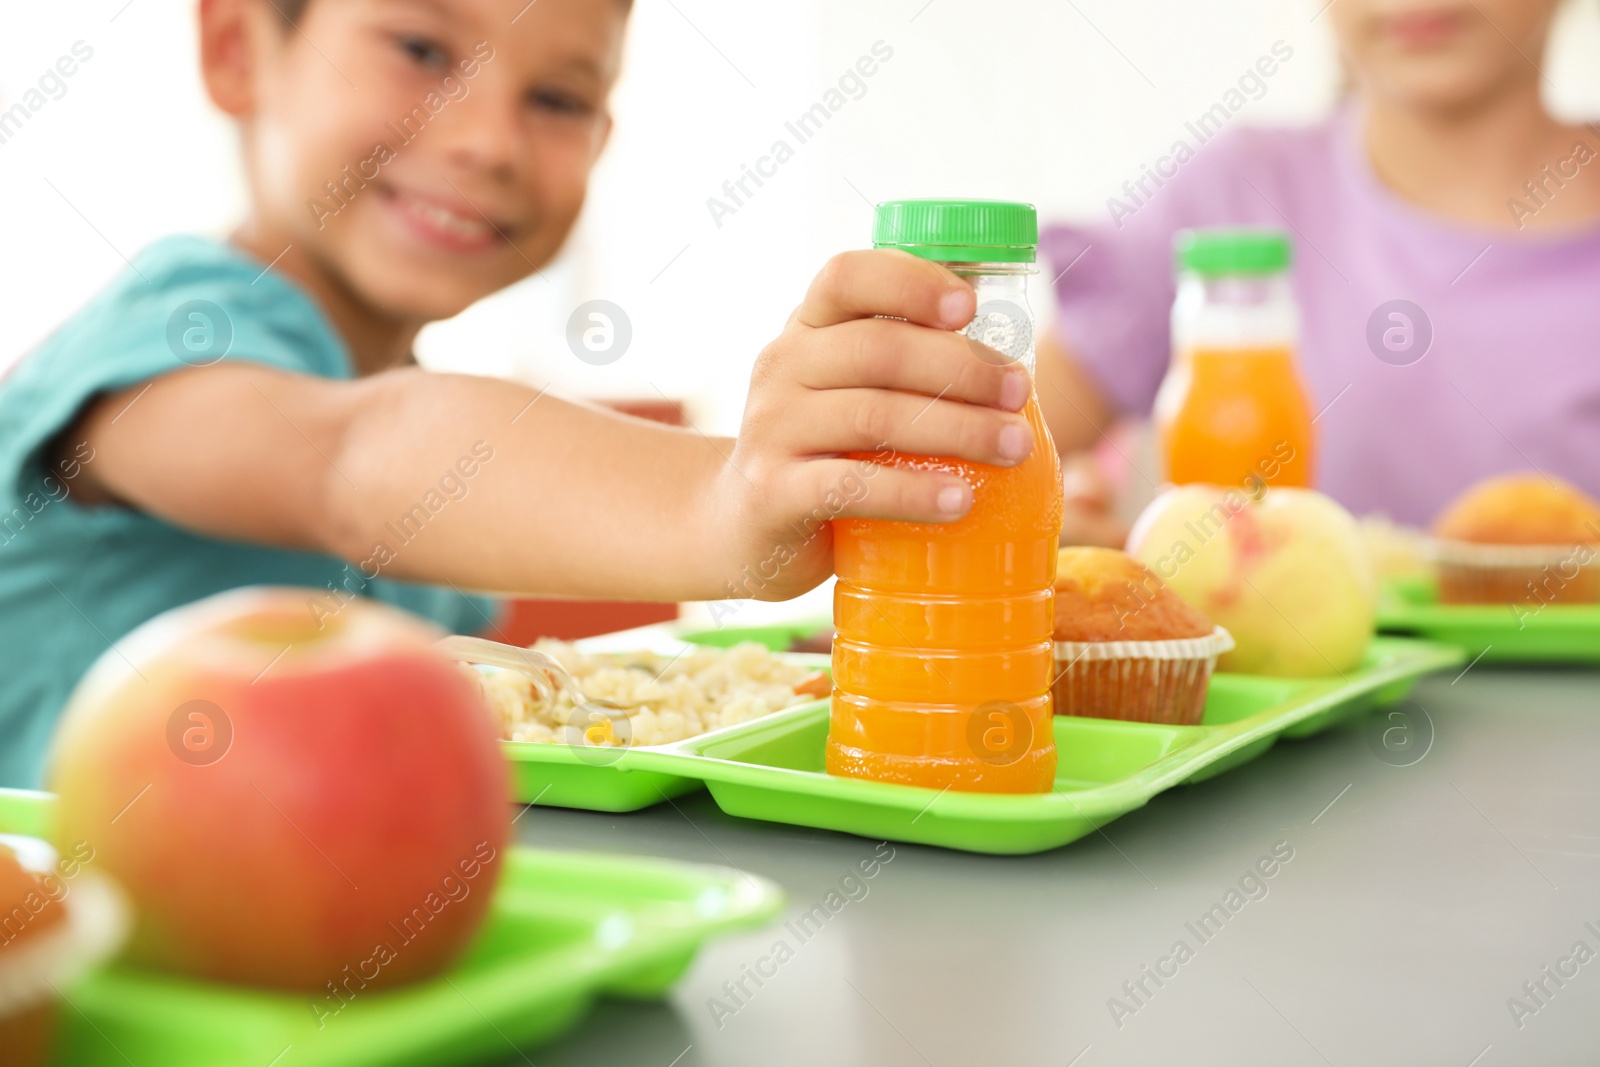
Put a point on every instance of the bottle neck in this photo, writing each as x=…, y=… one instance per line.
x=1239, y=290
x=1003, y=321
x=1234, y=312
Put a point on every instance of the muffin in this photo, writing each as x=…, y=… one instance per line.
x=1127, y=647
x=1519, y=539
x=53, y=929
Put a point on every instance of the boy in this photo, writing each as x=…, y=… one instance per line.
x=244, y=413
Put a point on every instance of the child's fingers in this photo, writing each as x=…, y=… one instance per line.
x=860, y=489
x=861, y=284
x=873, y=420
x=885, y=354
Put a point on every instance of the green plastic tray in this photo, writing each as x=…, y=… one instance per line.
x=772, y=768
x=566, y=928
x=565, y=776
x=1560, y=633
x=777, y=637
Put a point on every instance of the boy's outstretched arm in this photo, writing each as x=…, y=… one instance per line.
x=1074, y=407
x=1079, y=415
x=489, y=485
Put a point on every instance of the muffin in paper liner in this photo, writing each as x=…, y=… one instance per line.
x=1520, y=576
x=1138, y=681
x=36, y=967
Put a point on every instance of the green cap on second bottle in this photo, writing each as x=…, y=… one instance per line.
x=1214, y=253
x=958, y=231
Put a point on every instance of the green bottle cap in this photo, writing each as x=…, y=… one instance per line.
x=1221, y=252
x=958, y=231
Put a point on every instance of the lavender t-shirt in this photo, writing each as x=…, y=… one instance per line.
x=1500, y=370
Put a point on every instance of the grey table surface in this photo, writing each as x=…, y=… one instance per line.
x=1421, y=895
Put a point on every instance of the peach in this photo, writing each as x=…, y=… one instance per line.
x=1286, y=573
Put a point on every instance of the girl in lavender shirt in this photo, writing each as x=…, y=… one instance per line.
x=1442, y=181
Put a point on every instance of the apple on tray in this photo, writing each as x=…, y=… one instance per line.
x=1286, y=573
x=290, y=800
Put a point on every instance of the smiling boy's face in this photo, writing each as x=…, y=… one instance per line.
x=422, y=153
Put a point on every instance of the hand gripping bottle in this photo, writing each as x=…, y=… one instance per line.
x=943, y=659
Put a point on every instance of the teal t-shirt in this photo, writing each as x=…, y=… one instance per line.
x=74, y=579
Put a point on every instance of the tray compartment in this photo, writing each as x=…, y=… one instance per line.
x=773, y=770
x=560, y=776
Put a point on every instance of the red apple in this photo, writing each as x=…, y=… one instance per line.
x=290, y=799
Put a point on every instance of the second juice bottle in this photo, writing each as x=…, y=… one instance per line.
x=1232, y=410
x=943, y=657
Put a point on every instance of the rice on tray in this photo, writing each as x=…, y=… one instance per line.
x=665, y=699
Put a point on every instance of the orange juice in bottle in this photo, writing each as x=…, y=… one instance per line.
x=943, y=657
x=1232, y=409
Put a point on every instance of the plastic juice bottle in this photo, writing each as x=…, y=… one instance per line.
x=1232, y=410
x=943, y=657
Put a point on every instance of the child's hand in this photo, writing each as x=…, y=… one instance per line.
x=841, y=379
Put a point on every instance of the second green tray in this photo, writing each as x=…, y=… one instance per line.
x=1494, y=633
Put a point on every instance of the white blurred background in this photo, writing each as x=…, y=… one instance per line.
x=1053, y=101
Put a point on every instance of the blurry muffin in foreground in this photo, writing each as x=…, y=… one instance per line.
x=53, y=930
